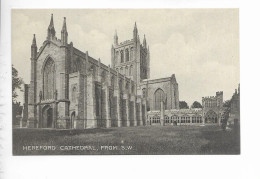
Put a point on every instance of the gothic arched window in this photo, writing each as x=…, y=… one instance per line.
x=76, y=65
x=131, y=53
x=120, y=85
x=48, y=79
x=158, y=98
x=131, y=70
x=122, y=56
x=74, y=94
x=117, y=57
x=103, y=77
x=126, y=71
x=126, y=55
x=127, y=86
x=94, y=71
x=112, y=81
x=144, y=92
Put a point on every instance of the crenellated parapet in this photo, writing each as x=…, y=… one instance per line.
x=213, y=108
x=125, y=43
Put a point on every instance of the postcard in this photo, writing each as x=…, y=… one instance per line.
x=125, y=81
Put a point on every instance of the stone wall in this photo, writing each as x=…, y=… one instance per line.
x=213, y=104
x=98, y=100
x=169, y=88
x=235, y=107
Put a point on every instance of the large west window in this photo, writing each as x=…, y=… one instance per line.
x=48, y=79
x=159, y=96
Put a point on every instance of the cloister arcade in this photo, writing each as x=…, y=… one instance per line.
x=175, y=119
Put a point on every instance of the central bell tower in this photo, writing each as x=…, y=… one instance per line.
x=131, y=58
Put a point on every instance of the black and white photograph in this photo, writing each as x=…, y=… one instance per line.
x=122, y=81
x=129, y=89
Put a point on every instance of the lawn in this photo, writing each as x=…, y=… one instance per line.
x=127, y=140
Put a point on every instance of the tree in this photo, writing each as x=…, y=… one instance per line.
x=17, y=110
x=16, y=83
x=196, y=104
x=225, y=118
x=16, y=106
x=183, y=105
x=227, y=107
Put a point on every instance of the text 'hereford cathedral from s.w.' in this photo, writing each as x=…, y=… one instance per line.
x=71, y=90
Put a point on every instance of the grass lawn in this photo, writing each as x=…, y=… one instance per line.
x=127, y=140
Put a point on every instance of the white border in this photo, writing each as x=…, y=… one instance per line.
x=243, y=166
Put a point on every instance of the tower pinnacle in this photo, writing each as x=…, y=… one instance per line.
x=33, y=48
x=144, y=42
x=64, y=33
x=34, y=41
x=64, y=27
x=51, y=29
x=135, y=33
x=115, y=38
x=51, y=22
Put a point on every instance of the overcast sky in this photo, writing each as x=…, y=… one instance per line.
x=199, y=46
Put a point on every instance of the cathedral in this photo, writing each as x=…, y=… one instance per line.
x=71, y=90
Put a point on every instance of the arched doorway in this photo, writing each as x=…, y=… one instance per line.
x=47, y=117
x=211, y=117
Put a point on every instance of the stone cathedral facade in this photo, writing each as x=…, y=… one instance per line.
x=70, y=89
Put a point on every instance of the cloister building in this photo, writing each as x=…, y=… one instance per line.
x=211, y=113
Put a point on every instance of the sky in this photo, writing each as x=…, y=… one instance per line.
x=199, y=46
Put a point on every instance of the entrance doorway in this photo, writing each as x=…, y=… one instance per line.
x=211, y=117
x=47, y=117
